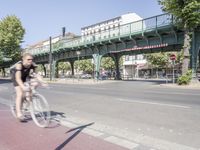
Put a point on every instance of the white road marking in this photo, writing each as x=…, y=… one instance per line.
x=121, y=142
x=172, y=93
x=88, y=131
x=82, y=87
x=92, y=132
x=68, y=124
x=152, y=103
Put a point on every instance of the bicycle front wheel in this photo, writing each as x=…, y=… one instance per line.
x=39, y=110
x=24, y=106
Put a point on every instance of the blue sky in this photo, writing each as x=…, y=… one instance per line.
x=44, y=18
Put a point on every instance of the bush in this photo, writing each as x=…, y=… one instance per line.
x=185, y=79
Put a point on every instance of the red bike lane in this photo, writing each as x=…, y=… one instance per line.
x=27, y=136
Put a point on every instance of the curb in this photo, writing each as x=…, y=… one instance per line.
x=195, y=86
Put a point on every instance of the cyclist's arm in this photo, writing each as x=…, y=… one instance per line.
x=18, y=75
x=37, y=76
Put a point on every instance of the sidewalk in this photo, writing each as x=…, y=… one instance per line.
x=191, y=86
x=27, y=136
x=78, y=81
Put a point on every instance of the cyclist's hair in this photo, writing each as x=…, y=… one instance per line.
x=26, y=54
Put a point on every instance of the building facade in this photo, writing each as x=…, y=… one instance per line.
x=134, y=66
x=99, y=30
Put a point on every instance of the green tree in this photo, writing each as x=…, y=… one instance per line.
x=11, y=35
x=64, y=66
x=84, y=65
x=162, y=59
x=158, y=60
x=107, y=63
x=1, y=57
x=40, y=68
x=187, y=15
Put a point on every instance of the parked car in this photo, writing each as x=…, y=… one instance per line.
x=103, y=76
x=86, y=76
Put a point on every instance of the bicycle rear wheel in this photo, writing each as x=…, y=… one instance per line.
x=39, y=110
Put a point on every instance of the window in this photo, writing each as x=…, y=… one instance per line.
x=126, y=58
x=133, y=57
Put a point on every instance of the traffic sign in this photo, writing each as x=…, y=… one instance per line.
x=173, y=57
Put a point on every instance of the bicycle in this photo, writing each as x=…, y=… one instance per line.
x=38, y=106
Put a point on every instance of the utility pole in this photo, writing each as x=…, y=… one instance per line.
x=50, y=58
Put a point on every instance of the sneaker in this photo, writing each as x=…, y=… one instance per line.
x=21, y=119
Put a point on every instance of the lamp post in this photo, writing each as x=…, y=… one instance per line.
x=78, y=53
x=132, y=67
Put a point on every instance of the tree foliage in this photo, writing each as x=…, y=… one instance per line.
x=107, y=63
x=84, y=65
x=187, y=15
x=186, y=12
x=11, y=36
x=162, y=59
x=158, y=60
x=185, y=79
x=40, y=68
x=64, y=66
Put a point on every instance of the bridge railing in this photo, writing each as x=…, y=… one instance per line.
x=137, y=27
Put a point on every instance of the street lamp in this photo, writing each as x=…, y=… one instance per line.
x=78, y=53
x=132, y=67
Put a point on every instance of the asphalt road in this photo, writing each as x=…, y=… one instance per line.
x=143, y=112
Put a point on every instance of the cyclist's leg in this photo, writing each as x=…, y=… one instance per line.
x=19, y=95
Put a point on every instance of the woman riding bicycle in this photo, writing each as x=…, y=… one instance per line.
x=20, y=73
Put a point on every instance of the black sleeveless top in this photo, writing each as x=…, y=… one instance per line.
x=24, y=71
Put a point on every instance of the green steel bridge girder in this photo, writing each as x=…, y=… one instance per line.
x=173, y=41
x=173, y=38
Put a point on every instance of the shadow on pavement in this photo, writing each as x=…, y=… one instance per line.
x=57, y=114
x=153, y=81
x=79, y=129
x=55, y=119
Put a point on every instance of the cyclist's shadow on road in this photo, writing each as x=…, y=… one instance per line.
x=77, y=131
x=55, y=119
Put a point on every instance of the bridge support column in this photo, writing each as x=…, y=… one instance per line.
x=45, y=71
x=54, y=68
x=199, y=58
x=116, y=60
x=195, y=47
x=97, y=63
x=72, y=66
